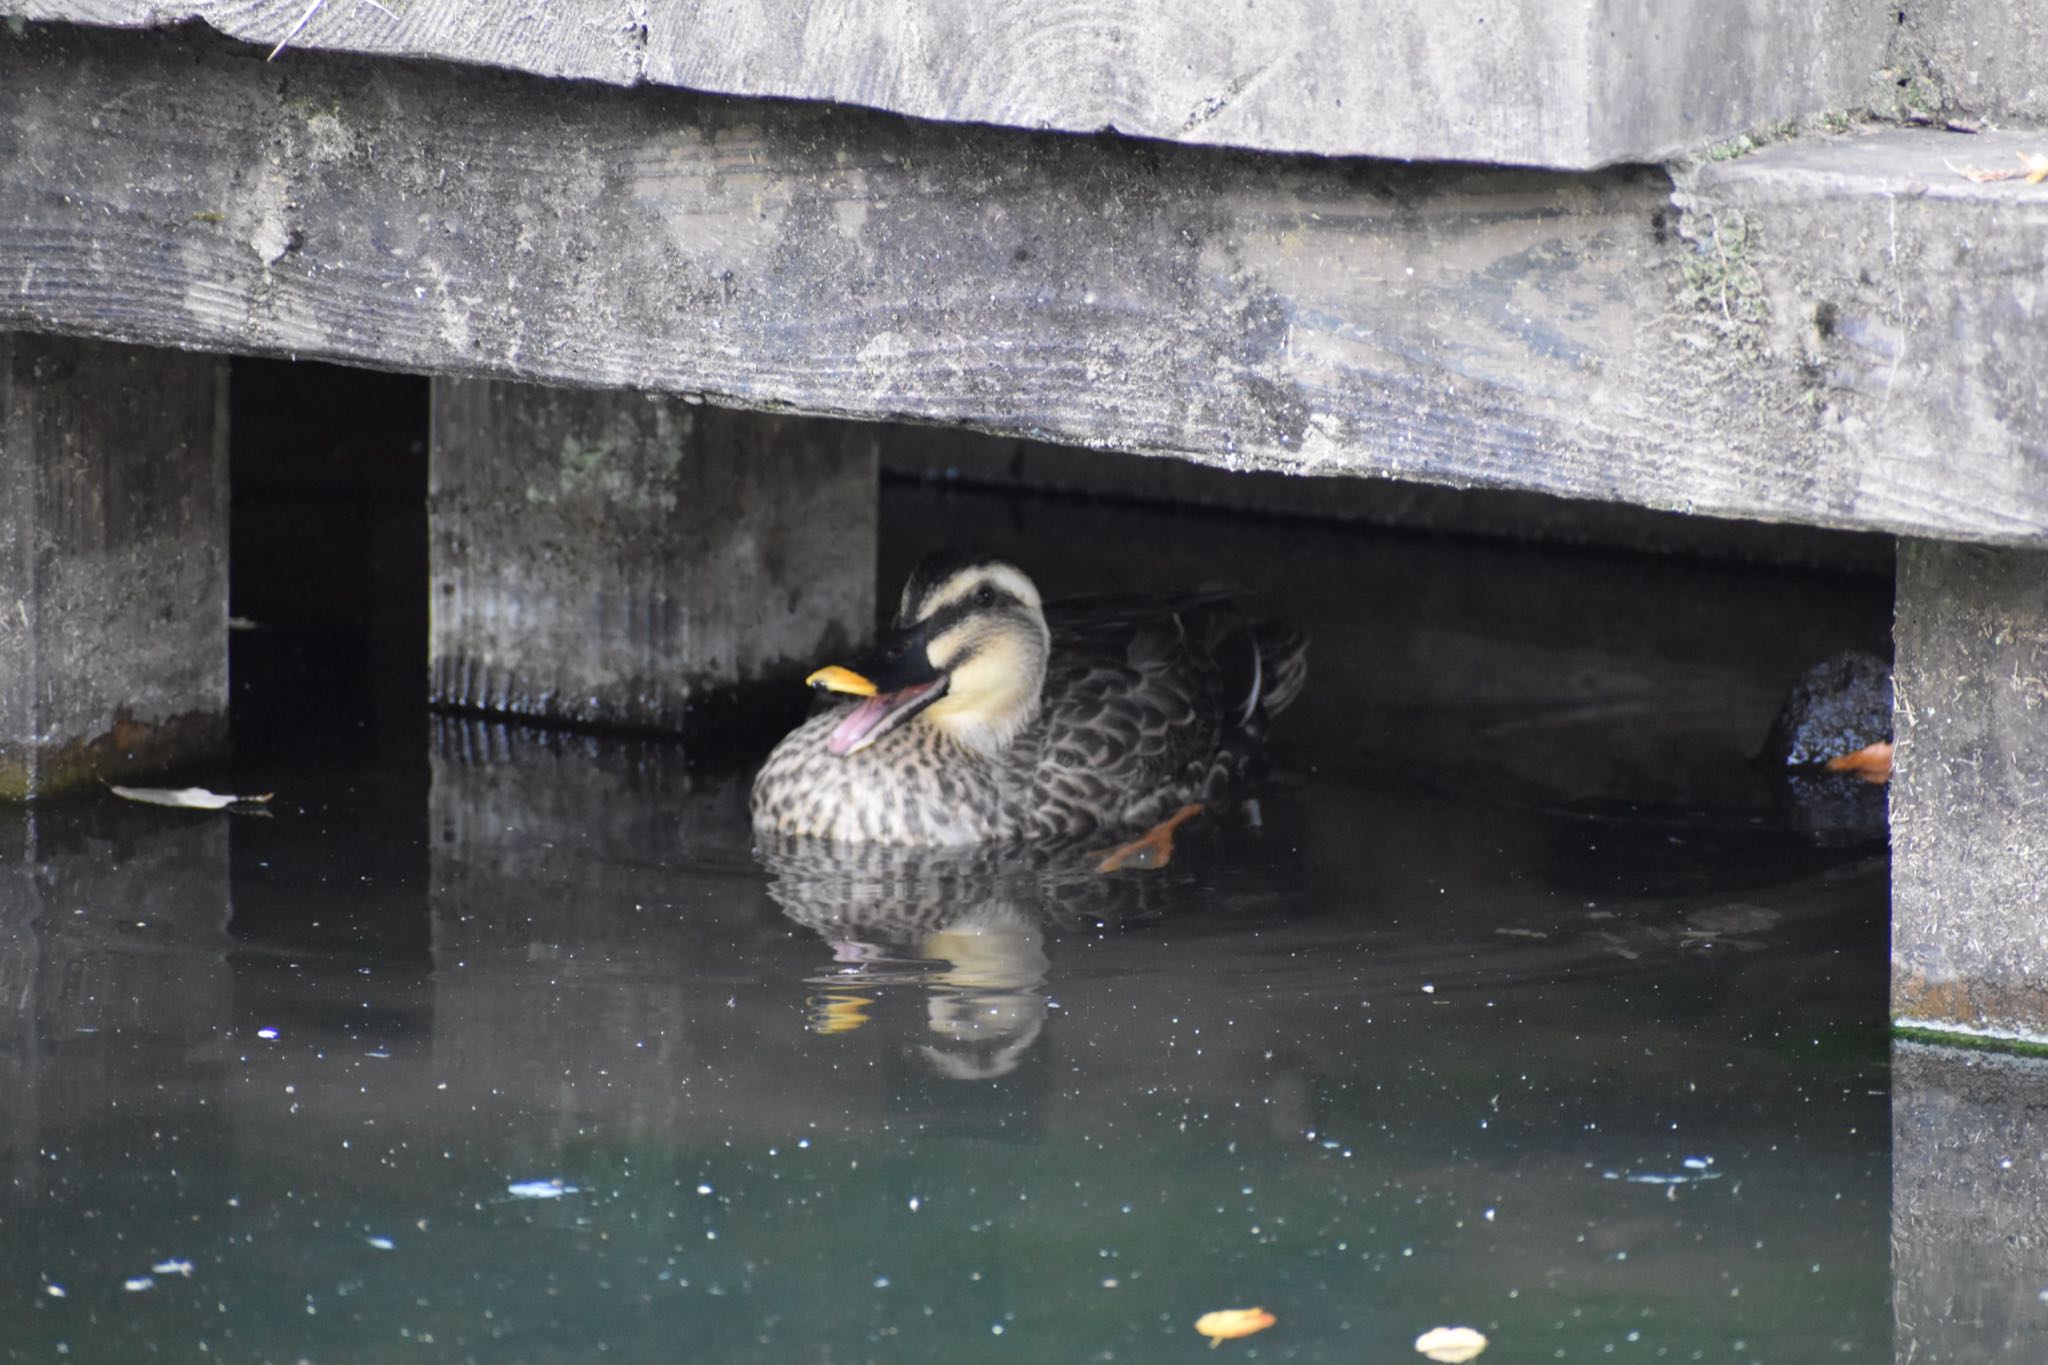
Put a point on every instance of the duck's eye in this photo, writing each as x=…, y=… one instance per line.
x=984, y=596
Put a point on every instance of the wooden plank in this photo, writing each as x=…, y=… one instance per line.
x=1570, y=84
x=113, y=562
x=599, y=40
x=950, y=456
x=1905, y=297
x=1492, y=328
x=1573, y=83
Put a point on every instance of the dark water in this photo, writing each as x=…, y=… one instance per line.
x=1527, y=1004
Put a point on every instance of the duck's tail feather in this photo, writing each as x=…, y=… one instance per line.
x=1282, y=667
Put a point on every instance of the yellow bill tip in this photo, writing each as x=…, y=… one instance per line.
x=833, y=678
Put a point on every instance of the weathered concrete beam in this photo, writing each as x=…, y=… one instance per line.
x=630, y=560
x=113, y=561
x=1567, y=83
x=1969, y=1205
x=1572, y=335
x=1969, y=799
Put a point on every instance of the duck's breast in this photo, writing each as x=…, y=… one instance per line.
x=913, y=786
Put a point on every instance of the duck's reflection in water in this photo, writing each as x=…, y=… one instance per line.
x=965, y=928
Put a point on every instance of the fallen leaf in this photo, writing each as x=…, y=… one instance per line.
x=187, y=798
x=1451, y=1345
x=2033, y=169
x=1227, y=1323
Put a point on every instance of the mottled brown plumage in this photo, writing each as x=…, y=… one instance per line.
x=998, y=719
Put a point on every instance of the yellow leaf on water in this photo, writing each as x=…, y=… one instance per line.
x=1451, y=1345
x=186, y=798
x=1227, y=1323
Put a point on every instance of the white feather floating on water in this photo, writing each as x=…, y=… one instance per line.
x=187, y=798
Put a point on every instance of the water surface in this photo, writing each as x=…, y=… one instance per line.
x=1526, y=1003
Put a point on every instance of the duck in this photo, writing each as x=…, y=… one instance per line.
x=986, y=715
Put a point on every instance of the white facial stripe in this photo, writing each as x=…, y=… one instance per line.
x=971, y=639
x=1002, y=577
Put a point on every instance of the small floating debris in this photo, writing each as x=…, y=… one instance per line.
x=55, y=1291
x=540, y=1189
x=1451, y=1345
x=381, y=1243
x=1694, y=1177
x=188, y=798
x=172, y=1268
x=1227, y=1324
x=137, y=1283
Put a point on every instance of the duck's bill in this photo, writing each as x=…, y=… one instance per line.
x=833, y=678
x=879, y=713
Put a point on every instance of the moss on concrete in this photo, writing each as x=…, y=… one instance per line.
x=127, y=748
x=1973, y=1042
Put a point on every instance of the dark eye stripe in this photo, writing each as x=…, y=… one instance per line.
x=957, y=611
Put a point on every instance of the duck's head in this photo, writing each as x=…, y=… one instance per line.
x=966, y=653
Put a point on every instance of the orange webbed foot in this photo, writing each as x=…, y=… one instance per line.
x=1153, y=848
x=1872, y=763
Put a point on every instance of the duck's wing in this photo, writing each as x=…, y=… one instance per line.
x=1255, y=667
x=1134, y=719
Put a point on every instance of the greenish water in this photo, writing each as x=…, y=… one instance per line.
x=1526, y=1005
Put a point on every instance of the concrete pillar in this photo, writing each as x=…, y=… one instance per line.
x=113, y=561
x=1969, y=1205
x=622, y=559
x=1969, y=799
